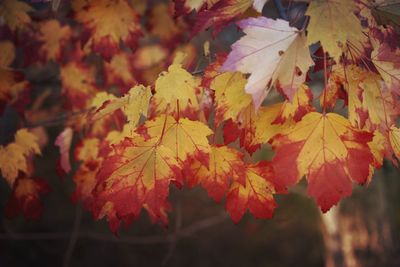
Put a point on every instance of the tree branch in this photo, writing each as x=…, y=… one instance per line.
x=134, y=240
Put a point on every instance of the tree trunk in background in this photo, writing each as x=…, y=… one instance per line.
x=357, y=232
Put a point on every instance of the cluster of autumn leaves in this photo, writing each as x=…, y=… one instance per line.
x=143, y=122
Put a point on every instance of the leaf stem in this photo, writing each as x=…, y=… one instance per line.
x=325, y=85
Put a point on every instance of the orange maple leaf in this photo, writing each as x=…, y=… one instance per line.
x=225, y=163
x=136, y=175
x=254, y=193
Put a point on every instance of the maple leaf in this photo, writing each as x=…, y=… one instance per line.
x=119, y=71
x=370, y=101
x=270, y=51
x=176, y=90
x=7, y=56
x=148, y=56
x=138, y=173
x=163, y=25
x=53, y=38
x=88, y=152
x=186, y=138
x=256, y=128
x=133, y=104
x=225, y=163
x=212, y=70
x=14, y=13
x=11, y=85
x=109, y=22
x=351, y=77
x=186, y=6
x=378, y=102
x=328, y=151
x=11, y=82
x=25, y=198
x=394, y=137
x=230, y=97
x=63, y=141
x=377, y=147
x=255, y=193
x=13, y=157
x=335, y=87
x=387, y=63
x=220, y=14
x=326, y=28
x=78, y=84
x=264, y=123
x=28, y=141
x=296, y=108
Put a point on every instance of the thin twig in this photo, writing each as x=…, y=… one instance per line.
x=74, y=236
x=134, y=240
x=178, y=225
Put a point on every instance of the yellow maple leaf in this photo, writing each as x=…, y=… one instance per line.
x=162, y=23
x=387, y=62
x=292, y=69
x=134, y=104
x=119, y=71
x=110, y=22
x=176, y=90
x=85, y=177
x=53, y=36
x=28, y=141
x=149, y=56
x=230, y=96
x=12, y=160
x=7, y=53
x=184, y=137
x=378, y=101
x=264, y=128
x=352, y=76
x=394, y=137
x=10, y=87
x=14, y=13
x=78, y=83
x=326, y=28
x=13, y=157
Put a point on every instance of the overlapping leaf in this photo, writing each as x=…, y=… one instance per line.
x=331, y=32
x=225, y=165
x=109, y=22
x=15, y=13
x=186, y=138
x=270, y=51
x=53, y=37
x=14, y=156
